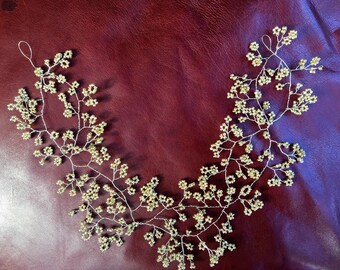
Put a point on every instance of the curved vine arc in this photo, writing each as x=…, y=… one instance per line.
x=194, y=215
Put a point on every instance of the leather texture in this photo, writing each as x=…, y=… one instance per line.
x=163, y=69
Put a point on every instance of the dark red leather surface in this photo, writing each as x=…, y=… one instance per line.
x=163, y=69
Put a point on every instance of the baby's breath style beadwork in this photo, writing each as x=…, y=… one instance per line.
x=184, y=226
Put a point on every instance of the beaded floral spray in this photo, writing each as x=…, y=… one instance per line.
x=115, y=205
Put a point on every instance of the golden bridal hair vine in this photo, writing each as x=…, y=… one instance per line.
x=116, y=204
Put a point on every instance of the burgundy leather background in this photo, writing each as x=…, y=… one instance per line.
x=163, y=68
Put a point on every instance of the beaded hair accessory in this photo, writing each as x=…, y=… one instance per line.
x=116, y=204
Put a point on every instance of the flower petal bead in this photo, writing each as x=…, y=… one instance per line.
x=54, y=135
x=64, y=63
x=67, y=113
x=245, y=190
x=61, y=79
x=257, y=61
x=11, y=107
x=292, y=34
x=92, y=89
x=48, y=151
x=38, y=72
x=315, y=61
x=57, y=161
x=302, y=63
x=38, y=85
x=288, y=182
x=57, y=58
x=286, y=41
x=279, y=86
x=247, y=211
x=254, y=46
x=91, y=102
x=183, y=185
x=68, y=54
x=26, y=135
x=250, y=56
x=276, y=30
